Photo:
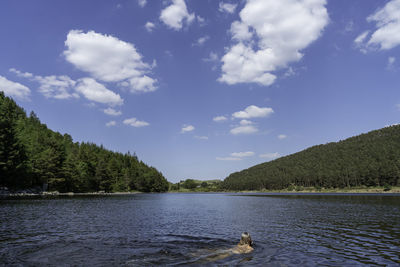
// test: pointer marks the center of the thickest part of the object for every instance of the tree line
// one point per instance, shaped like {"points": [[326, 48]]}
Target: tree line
{"points": [[31, 155], [371, 159]]}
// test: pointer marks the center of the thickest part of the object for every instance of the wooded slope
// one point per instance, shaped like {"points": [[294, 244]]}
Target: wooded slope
{"points": [[32, 155], [371, 159]]}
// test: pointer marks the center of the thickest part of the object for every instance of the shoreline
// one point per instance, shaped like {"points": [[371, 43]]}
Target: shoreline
{"points": [[44, 194], [355, 190], [49, 194]]}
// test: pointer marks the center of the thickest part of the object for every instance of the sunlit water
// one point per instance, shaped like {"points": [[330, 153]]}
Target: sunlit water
{"points": [[199, 229]]}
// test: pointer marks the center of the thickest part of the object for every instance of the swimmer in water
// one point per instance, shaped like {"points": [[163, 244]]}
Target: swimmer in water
{"points": [[245, 245]]}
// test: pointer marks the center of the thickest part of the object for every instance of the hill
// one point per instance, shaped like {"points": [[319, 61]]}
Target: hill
{"points": [[31, 155], [371, 159]]}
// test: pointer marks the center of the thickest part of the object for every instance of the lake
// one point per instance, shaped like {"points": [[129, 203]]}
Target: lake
{"points": [[199, 229]]}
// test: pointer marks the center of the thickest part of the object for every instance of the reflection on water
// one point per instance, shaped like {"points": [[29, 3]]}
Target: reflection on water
{"points": [[200, 229]]}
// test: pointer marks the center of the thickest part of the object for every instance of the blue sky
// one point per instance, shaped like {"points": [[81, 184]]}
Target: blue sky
{"points": [[200, 89]]}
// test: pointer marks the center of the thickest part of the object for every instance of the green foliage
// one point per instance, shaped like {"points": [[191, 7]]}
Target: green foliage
{"points": [[190, 184], [32, 155], [12, 153], [196, 186], [370, 159]]}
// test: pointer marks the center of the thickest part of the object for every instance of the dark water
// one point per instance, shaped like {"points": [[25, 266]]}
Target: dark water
{"points": [[199, 229]]}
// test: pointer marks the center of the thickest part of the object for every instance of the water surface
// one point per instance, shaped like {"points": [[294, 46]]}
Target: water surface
{"points": [[199, 229]]}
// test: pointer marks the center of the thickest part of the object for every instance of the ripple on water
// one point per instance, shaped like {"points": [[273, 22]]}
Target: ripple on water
{"points": [[199, 229]]}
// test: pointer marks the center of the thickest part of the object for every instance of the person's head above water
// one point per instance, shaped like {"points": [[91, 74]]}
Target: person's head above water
{"points": [[245, 239]]}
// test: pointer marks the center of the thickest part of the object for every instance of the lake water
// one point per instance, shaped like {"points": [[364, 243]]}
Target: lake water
{"points": [[199, 229]]}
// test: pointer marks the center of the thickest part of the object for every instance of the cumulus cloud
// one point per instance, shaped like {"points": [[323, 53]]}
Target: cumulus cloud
{"points": [[112, 112], [282, 136], [142, 3], [111, 123], [176, 14], [187, 128], [63, 87], [135, 123], [242, 154], [201, 40], [58, 87], [109, 59], [219, 118], [97, 92], [149, 26], [270, 35], [385, 36], [248, 129], [228, 158], [270, 155], [253, 112], [53, 86], [227, 7], [14, 89]]}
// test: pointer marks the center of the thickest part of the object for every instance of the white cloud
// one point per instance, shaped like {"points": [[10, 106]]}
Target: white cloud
{"points": [[201, 40], [21, 74], [135, 123], [282, 136], [149, 26], [14, 89], [111, 123], [201, 137], [97, 92], [249, 129], [63, 87], [211, 58], [270, 155], [253, 112], [175, 14], [269, 36], [240, 31], [390, 63], [112, 112], [245, 122], [187, 128], [201, 20], [242, 154], [226, 7], [219, 118], [108, 59], [228, 158], [142, 3], [385, 37], [58, 87], [361, 38], [53, 86], [388, 22], [141, 84]]}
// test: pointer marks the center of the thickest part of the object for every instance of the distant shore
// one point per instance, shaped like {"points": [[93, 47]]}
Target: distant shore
{"points": [[27, 194], [352, 190]]}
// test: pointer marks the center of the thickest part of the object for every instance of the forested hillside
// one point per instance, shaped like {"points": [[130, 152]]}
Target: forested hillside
{"points": [[32, 155], [371, 159]]}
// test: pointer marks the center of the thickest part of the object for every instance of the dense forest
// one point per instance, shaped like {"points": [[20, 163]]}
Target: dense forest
{"points": [[31, 155], [371, 159]]}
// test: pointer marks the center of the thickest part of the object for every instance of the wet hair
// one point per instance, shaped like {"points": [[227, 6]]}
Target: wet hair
{"points": [[245, 239]]}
